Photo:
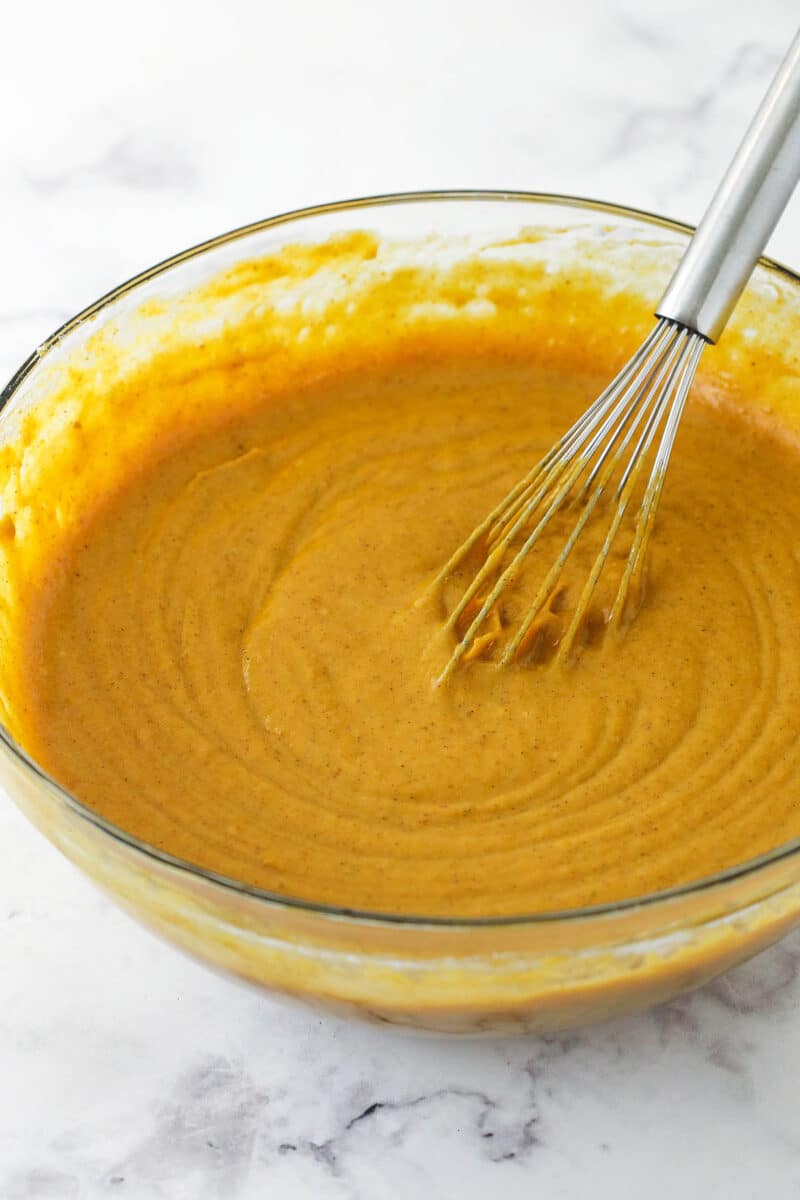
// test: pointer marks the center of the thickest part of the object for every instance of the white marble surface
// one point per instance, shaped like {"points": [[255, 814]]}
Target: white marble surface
{"points": [[129, 132]]}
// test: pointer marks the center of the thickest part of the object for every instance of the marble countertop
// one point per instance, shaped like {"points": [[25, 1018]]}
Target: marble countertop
{"points": [[128, 133]]}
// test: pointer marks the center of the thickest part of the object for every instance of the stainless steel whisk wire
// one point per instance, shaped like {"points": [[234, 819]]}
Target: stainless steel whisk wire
{"points": [[644, 402]]}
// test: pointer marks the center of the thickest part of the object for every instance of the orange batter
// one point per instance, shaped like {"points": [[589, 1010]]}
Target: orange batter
{"points": [[222, 651]]}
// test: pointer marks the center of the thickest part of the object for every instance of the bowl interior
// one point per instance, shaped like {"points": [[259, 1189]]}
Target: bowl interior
{"points": [[256, 281]]}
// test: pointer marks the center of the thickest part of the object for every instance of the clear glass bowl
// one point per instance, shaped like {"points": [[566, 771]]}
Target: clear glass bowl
{"points": [[497, 975]]}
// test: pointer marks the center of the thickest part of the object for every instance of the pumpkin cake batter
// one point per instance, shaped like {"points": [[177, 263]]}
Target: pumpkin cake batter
{"points": [[227, 656]]}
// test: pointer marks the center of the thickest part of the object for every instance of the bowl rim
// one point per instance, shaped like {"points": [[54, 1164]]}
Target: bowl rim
{"points": [[415, 921]]}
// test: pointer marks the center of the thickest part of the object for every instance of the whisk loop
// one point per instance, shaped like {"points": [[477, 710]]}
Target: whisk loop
{"points": [[643, 402]]}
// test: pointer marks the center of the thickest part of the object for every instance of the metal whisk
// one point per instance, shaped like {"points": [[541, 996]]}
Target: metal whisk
{"points": [[634, 421]]}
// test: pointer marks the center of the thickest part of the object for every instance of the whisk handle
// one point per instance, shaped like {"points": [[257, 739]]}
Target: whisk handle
{"points": [[743, 213]]}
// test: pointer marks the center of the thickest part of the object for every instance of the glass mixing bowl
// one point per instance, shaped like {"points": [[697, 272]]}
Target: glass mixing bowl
{"points": [[529, 973]]}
